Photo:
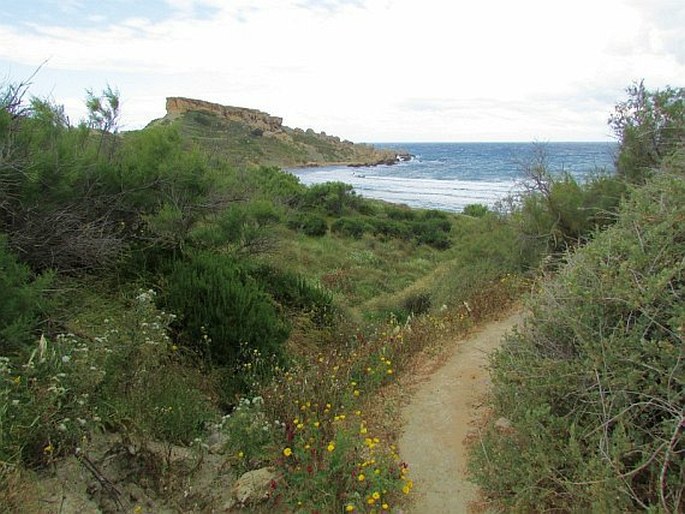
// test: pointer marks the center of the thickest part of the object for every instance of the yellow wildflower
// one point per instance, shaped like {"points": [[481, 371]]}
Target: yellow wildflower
{"points": [[361, 477], [376, 495], [349, 508], [331, 446], [287, 452]]}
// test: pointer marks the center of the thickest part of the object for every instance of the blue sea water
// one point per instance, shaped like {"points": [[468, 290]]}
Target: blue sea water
{"points": [[449, 176]]}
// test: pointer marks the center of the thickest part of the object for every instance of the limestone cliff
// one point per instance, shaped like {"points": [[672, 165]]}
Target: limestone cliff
{"points": [[176, 106]]}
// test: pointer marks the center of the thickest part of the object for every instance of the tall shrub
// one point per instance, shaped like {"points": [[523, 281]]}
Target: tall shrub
{"points": [[21, 301], [222, 311]]}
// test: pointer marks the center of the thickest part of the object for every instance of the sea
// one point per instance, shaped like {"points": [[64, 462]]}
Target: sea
{"points": [[449, 176]]}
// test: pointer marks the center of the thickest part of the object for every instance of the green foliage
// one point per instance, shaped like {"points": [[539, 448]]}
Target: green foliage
{"points": [[21, 303], [103, 110], [485, 250], [129, 377], [310, 224], [477, 210], [68, 205], [433, 231], [650, 125], [593, 384], [295, 292], [241, 229], [557, 212], [349, 227], [333, 198], [391, 228], [146, 386], [251, 435], [223, 312], [276, 185]]}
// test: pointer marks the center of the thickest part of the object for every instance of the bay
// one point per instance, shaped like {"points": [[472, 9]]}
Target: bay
{"points": [[449, 176]]}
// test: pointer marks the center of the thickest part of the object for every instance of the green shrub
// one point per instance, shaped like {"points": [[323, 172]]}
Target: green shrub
{"points": [[593, 383], [650, 126], [223, 313], [275, 185], [21, 302], [401, 213], [294, 291], [391, 228], [310, 224], [333, 198], [349, 227], [433, 231], [560, 212], [477, 210]]}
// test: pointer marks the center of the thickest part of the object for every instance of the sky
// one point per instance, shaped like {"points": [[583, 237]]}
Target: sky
{"points": [[364, 70]]}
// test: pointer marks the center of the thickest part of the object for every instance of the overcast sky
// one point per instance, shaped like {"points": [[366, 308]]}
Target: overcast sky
{"points": [[365, 70]]}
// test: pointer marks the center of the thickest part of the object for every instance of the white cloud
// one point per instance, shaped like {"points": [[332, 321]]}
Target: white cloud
{"points": [[379, 69]]}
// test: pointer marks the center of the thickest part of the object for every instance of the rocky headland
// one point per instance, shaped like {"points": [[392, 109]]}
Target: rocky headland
{"points": [[245, 136]]}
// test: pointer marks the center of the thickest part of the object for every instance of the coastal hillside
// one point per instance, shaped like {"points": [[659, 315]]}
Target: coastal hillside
{"points": [[174, 328], [247, 137]]}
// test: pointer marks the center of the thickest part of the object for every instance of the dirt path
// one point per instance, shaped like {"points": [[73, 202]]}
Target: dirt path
{"points": [[438, 418]]}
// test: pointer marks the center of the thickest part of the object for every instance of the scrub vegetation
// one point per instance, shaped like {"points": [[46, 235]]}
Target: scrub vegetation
{"points": [[153, 291], [593, 385]]}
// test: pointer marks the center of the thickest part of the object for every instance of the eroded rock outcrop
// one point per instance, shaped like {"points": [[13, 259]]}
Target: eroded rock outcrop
{"points": [[176, 106]]}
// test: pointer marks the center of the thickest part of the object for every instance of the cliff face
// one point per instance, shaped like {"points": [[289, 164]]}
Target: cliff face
{"points": [[176, 106]]}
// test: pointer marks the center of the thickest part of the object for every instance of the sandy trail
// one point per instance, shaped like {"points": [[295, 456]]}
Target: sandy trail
{"points": [[439, 417]]}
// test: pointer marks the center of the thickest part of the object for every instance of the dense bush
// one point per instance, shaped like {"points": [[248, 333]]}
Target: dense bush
{"points": [[593, 385], [296, 292], [349, 227], [333, 198], [391, 228], [21, 301], [433, 231], [222, 311], [477, 210], [310, 224], [275, 185]]}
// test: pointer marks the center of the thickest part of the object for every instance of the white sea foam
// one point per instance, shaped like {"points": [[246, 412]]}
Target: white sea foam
{"points": [[448, 195]]}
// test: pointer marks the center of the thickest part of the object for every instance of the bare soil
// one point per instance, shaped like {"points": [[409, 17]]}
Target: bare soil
{"points": [[444, 408]]}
